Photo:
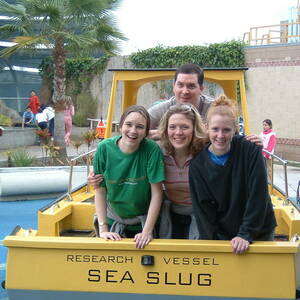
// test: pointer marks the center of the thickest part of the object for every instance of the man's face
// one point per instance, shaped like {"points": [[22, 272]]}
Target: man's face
{"points": [[187, 89]]}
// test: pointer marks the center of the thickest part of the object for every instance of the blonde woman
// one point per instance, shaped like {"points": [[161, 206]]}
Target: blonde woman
{"points": [[182, 136], [68, 114]]}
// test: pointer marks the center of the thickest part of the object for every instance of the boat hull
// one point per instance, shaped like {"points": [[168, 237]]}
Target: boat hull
{"points": [[63, 295], [90, 268]]}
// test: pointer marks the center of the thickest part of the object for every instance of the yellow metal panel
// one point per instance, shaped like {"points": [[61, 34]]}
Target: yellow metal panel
{"points": [[244, 105], [133, 79], [82, 216], [116, 266], [155, 245], [130, 91], [111, 106], [48, 221]]}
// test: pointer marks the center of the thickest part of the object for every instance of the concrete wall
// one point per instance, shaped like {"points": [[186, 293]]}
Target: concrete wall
{"points": [[100, 88], [17, 137], [273, 93]]}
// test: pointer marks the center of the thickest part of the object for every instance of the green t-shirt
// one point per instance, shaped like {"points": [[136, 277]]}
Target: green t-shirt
{"points": [[127, 177]]}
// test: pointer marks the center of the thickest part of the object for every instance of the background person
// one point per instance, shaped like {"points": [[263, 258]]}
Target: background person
{"points": [[41, 119], [162, 98], [268, 137], [34, 103], [50, 113], [28, 117], [129, 198], [68, 115], [228, 184]]}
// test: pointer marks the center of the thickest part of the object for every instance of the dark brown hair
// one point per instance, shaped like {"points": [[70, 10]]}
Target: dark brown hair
{"points": [[138, 109], [191, 69], [269, 122]]}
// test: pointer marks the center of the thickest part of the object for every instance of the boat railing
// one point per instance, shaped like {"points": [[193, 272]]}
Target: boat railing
{"points": [[88, 155], [282, 162]]}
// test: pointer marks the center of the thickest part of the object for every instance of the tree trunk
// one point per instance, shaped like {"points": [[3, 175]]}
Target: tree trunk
{"points": [[59, 133], [59, 87]]}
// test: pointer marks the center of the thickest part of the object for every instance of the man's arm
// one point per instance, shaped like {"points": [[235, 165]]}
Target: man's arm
{"points": [[253, 138], [156, 112], [154, 135]]}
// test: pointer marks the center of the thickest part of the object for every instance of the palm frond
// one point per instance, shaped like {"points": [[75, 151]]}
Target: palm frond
{"points": [[11, 9], [24, 43]]}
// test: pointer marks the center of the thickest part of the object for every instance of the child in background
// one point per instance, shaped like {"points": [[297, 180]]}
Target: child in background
{"points": [[269, 142], [68, 114], [28, 117]]}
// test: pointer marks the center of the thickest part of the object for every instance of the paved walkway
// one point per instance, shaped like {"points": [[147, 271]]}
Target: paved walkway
{"points": [[293, 178], [37, 151]]}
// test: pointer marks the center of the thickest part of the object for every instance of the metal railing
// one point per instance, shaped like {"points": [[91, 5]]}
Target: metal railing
{"points": [[89, 159], [273, 34], [284, 164], [88, 163]]}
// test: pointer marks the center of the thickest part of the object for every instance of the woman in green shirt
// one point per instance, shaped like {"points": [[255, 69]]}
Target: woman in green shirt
{"points": [[128, 199]]}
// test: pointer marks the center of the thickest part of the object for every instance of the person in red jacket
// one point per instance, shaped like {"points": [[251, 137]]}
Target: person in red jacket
{"points": [[34, 103]]}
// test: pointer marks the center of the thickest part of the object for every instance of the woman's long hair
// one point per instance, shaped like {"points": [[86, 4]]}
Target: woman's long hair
{"points": [[190, 112]]}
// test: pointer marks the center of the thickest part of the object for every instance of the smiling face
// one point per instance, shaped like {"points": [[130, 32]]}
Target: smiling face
{"points": [[180, 132], [220, 129], [133, 131], [187, 89]]}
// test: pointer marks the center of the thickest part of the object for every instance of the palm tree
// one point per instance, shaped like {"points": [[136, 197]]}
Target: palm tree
{"points": [[66, 27]]}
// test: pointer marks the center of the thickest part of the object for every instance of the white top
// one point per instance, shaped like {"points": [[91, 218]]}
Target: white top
{"points": [[49, 112], [41, 117]]}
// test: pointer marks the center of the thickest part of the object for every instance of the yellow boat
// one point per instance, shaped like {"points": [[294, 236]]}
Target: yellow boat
{"points": [[62, 259]]}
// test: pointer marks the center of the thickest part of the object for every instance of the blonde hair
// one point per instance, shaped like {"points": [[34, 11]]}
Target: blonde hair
{"points": [[68, 101], [190, 112], [224, 106]]}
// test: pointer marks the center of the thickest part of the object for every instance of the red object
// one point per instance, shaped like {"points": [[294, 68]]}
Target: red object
{"points": [[34, 103], [1, 131], [100, 129]]}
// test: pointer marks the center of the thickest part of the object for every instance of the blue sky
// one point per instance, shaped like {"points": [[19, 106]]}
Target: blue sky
{"points": [[194, 22]]}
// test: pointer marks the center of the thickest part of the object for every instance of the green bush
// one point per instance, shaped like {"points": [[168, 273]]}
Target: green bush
{"points": [[78, 71], [80, 119], [5, 121], [86, 107], [219, 55], [21, 158]]}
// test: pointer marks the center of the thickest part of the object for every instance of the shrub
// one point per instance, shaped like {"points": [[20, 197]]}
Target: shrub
{"points": [[21, 158], [80, 119], [220, 55], [86, 107], [5, 121]]}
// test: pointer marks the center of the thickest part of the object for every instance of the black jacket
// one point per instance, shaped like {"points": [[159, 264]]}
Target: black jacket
{"points": [[232, 200]]}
